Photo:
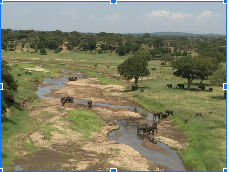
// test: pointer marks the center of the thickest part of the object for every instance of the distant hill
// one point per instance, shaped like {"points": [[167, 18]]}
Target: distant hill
{"points": [[181, 34]]}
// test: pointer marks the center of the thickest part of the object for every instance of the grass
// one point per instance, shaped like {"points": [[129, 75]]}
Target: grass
{"points": [[20, 121], [207, 134], [84, 121], [30, 147]]}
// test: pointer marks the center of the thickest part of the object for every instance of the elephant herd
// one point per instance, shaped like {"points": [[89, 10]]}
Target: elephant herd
{"points": [[70, 100], [72, 78], [66, 100], [151, 127], [162, 115], [182, 86]]}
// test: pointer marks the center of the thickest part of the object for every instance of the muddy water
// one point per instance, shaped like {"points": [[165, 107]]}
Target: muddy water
{"points": [[127, 133]]}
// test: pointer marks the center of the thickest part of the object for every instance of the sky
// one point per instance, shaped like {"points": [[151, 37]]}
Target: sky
{"points": [[123, 17]]}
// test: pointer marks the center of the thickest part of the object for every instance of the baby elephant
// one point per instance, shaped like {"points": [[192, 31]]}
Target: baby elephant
{"points": [[169, 86], [63, 102], [89, 102], [199, 114], [159, 114], [202, 87], [210, 89], [186, 120], [169, 112], [164, 116]]}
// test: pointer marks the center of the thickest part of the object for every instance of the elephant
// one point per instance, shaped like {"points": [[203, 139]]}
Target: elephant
{"points": [[164, 116], [199, 114], [186, 120], [157, 114], [169, 112], [180, 85], [142, 127], [89, 102], [210, 89], [169, 86], [151, 127]]}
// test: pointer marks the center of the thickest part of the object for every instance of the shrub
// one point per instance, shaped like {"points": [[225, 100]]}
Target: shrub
{"points": [[43, 51]]}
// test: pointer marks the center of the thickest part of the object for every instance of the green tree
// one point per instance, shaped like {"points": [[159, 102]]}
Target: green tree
{"points": [[192, 68], [154, 52], [121, 50], [89, 42], [9, 83], [146, 35], [135, 47], [52, 44], [167, 58], [135, 67], [43, 51], [158, 42], [218, 78], [205, 68]]}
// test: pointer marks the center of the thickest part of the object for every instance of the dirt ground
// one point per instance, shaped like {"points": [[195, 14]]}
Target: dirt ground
{"points": [[67, 150]]}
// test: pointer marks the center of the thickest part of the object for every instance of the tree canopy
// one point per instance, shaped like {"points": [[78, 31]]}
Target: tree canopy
{"points": [[136, 66], [193, 68], [9, 83]]}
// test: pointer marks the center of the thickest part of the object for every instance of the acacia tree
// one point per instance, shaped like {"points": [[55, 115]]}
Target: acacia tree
{"points": [[205, 68], [218, 78], [135, 67], [192, 68]]}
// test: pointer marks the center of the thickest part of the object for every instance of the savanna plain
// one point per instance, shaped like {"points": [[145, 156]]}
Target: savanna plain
{"points": [[45, 135]]}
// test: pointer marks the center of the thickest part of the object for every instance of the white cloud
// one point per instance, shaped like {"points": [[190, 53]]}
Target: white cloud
{"points": [[207, 16], [163, 14]]}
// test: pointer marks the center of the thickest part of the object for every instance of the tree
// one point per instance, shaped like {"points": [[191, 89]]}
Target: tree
{"points": [[135, 67], [205, 68], [121, 50], [167, 58], [52, 44], [146, 35], [89, 42], [192, 68], [215, 56], [218, 78], [154, 52], [134, 47], [158, 42], [43, 51], [10, 85]]}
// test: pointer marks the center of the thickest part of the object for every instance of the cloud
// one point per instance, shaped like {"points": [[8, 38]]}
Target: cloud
{"points": [[207, 16], [167, 15], [185, 19]]}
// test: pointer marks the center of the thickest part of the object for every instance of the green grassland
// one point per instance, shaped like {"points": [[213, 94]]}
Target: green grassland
{"points": [[207, 148]]}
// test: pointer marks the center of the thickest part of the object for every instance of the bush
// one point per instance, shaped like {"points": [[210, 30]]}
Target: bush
{"points": [[142, 90], [163, 63], [153, 68], [43, 51]]}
